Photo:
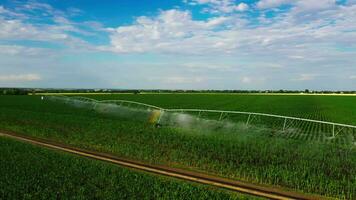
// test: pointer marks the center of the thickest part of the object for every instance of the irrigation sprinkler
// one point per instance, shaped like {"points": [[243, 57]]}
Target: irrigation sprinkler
{"points": [[159, 119], [160, 112], [95, 105]]}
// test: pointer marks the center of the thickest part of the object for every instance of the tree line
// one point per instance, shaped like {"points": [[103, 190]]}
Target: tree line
{"points": [[27, 91]]}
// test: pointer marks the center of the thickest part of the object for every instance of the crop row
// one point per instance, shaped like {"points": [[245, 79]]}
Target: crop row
{"points": [[340, 109], [253, 155], [288, 128], [29, 172]]}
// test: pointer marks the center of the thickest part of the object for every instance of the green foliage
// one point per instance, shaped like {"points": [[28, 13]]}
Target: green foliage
{"points": [[13, 91], [253, 155]]}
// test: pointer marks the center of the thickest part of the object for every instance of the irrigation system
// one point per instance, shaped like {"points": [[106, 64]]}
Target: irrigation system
{"points": [[336, 128]]}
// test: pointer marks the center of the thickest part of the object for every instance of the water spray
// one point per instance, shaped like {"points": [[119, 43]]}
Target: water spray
{"points": [[159, 117], [151, 115]]}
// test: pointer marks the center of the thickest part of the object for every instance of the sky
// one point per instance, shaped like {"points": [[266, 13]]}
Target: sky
{"points": [[179, 44]]}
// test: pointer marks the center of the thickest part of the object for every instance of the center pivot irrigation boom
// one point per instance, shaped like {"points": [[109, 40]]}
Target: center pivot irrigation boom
{"points": [[156, 113]]}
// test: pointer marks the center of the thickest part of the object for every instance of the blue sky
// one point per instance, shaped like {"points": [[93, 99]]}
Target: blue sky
{"points": [[181, 44]]}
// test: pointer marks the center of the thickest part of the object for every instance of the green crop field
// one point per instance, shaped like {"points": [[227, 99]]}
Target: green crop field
{"points": [[37, 173], [341, 109], [338, 109], [254, 154]]}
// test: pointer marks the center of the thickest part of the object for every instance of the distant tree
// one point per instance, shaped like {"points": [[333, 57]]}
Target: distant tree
{"points": [[306, 91]]}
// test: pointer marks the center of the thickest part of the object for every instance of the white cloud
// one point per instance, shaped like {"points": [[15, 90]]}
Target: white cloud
{"points": [[175, 31], [263, 4], [8, 13], [17, 29], [241, 7], [311, 37], [171, 31], [14, 29], [179, 80], [15, 25], [33, 5], [20, 78], [296, 57], [353, 77], [220, 6], [299, 5], [252, 80], [305, 77], [307, 5], [23, 51], [246, 79]]}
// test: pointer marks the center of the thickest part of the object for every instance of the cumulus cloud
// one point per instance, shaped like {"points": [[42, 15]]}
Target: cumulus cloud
{"points": [[171, 31], [20, 78], [241, 7], [175, 31], [306, 38]]}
